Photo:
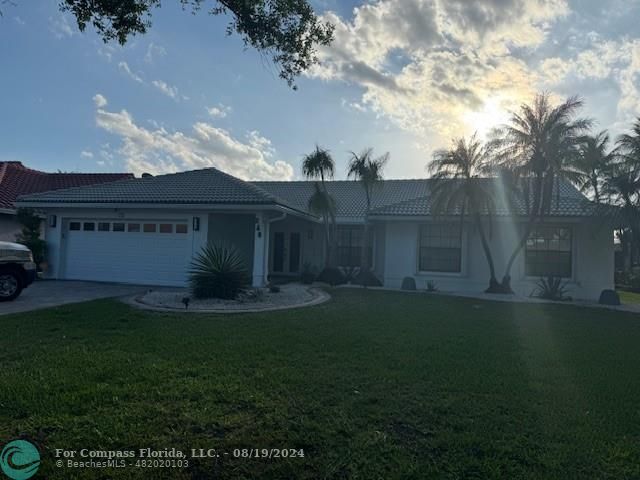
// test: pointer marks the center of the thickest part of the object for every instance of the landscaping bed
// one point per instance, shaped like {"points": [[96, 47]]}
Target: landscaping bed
{"points": [[258, 299]]}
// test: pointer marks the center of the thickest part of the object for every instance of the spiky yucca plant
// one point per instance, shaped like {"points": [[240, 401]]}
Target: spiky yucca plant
{"points": [[551, 288], [218, 272]]}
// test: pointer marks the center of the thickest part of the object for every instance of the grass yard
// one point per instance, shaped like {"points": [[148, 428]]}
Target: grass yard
{"points": [[373, 385], [627, 297]]}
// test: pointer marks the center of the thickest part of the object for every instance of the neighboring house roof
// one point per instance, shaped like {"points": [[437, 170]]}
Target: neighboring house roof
{"points": [[207, 186], [211, 186], [17, 180]]}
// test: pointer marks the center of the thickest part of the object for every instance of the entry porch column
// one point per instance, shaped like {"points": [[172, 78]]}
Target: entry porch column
{"points": [[260, 250]]}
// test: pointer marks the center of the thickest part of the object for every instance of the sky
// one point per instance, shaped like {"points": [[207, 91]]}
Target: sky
{"points": [[402, 76]]}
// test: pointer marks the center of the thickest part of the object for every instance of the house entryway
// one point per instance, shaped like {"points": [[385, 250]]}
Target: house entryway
{"points": [[287, 251]]}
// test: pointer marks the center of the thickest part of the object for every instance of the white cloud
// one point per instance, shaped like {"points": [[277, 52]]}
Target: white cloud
{"points": [[354, 106], [86, 154], [614, 61], [219, 111], [154, 51], [19, 20], [166, 89], [161, 151], [124, 67], [424, 64], [99, 100], [60, 27]]}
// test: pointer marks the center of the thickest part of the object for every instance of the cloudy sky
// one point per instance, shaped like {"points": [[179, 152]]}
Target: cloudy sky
{"points": [[403, 76]]}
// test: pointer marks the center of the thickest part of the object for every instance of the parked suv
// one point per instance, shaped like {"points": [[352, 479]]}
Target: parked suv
{"points": [[17, 270]]}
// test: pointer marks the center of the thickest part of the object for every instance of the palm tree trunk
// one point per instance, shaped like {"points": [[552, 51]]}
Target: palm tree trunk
{"points": [[533, 217], [327, 238], [364, 254], [494, 286]]}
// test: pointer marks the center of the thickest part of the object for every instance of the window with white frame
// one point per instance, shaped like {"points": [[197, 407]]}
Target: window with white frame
{"points": [[440, 248], [548, 252]]}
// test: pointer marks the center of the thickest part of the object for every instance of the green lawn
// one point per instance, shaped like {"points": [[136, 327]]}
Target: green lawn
{"points": [[629, 297], [372, 385]]}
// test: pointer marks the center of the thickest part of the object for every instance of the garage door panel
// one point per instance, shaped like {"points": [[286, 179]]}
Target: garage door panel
{"points": [[128, 257]]}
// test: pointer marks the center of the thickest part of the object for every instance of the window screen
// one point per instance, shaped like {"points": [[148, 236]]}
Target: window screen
{"points": [[548, 252], [349, 246], [440, 248]]}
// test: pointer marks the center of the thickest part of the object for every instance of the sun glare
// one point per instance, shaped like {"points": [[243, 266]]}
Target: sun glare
{"points": [[491, 115]]}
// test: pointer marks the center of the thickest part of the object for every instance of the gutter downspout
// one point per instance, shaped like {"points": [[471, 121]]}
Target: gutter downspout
{"points": [[282, 216]]}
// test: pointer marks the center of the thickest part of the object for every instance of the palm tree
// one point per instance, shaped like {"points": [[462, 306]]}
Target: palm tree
{"points": [[628, 145], [622, 185], [368, 171], [457, 184], [537, 149], [320, 164], [593, 162], [323, 204], [623, 182]]}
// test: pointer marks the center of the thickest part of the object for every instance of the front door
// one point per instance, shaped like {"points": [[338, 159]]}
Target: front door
{"points": [[286, 252], [278, 252], [294, 252]]}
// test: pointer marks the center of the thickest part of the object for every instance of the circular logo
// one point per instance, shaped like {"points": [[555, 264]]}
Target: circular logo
{"points": [[19, 460]]}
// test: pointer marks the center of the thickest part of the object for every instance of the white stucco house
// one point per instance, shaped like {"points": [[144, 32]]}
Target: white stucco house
{"points": [[146, 231]]}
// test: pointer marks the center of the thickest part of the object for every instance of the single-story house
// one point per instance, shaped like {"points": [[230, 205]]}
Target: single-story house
{"points": [[147, 230], [16, 180]]}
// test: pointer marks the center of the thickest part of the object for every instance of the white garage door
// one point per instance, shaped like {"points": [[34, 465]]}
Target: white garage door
{"points": [[147, 252]]}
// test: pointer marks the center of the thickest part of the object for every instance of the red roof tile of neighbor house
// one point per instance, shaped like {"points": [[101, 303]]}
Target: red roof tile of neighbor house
{"points": [[16, 180]]}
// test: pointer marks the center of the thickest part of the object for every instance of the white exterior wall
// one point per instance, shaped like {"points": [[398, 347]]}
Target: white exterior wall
{"points": [[55, 235], [592, 257], [396, 249]]}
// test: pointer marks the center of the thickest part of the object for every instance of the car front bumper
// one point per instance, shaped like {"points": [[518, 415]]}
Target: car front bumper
{"points": [[29, 273]]}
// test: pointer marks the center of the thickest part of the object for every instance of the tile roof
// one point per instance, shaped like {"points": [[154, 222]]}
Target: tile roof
{"points": [[349, 195], [16, 180], [211, 186], [410, 198], [207, 186], [568, 201]]}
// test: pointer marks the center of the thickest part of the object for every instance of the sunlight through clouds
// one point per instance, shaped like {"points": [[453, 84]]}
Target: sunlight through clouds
{"points": [[460, 74]]}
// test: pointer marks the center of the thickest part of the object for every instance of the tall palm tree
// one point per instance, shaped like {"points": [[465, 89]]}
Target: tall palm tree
{"points": [[537, 149], [368, 171], [622, 186], [458, 185], [628, 144], [623, 183], [323, 204], [593, 162], [320, 164]]}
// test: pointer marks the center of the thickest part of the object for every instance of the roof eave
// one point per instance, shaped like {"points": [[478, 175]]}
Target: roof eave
{"points": [[172, 206]]}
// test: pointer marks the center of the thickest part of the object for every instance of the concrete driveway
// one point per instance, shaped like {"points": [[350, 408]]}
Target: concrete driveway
{"points": [[51, 293]]}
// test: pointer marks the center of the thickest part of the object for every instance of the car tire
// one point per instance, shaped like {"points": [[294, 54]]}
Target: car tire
{"points": [[10, 284]]}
